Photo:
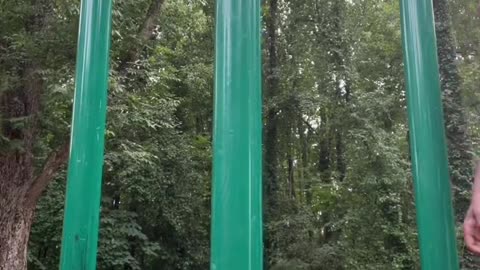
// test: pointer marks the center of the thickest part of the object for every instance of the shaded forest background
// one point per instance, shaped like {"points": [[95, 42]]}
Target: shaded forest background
{"points": [[337, 177]]}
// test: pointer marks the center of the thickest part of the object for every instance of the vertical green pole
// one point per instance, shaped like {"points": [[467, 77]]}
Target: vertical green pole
{"points": [[237, 174], [82, 207], [427, 134]]}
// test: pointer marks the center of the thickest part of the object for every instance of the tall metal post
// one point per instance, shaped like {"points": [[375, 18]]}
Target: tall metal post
{"points": [[427, 134], [82, 207], [237, 173]]}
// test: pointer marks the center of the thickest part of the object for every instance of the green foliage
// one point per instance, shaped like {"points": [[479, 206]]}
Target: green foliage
{"points": [[344, 199], [155, 208]]}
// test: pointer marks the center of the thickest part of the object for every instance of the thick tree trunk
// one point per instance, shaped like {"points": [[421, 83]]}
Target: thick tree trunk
{"points": [[14, 236], [19, 188], [19, 111], [20, 184], [16, 170], [16, 176]]}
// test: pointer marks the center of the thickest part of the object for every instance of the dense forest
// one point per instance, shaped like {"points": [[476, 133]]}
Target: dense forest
{"points": [[337, 182]]}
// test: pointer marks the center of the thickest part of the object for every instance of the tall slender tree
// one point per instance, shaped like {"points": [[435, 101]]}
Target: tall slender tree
{"points": [[460, 148], [459, 144]]}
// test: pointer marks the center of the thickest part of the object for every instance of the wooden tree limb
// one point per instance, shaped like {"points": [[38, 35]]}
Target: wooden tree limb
{"points": [[309, 126], [145, 32], [55, 162], [146, 29], [59, 157]]}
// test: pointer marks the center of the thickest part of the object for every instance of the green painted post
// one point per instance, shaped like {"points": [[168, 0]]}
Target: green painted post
{"points": [[427, 134], [82, 206], [237, 175]]}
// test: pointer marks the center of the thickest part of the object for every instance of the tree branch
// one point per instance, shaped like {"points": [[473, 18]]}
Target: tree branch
{"points": [[145, 32], [309, 126], [54, 163], [57, 160]]}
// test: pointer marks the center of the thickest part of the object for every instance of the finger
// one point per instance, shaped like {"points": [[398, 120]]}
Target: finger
{"points": [[468, 229], [472, 245], [473, 222], [475, 248], [468, 236], [470, 240]]}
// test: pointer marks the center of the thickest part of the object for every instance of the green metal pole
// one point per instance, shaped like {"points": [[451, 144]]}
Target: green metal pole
{"points": [[82, 207], [427, 135], [237, 175]]}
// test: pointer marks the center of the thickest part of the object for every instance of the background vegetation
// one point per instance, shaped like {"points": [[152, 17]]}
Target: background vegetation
{"points": [[337, 171]]}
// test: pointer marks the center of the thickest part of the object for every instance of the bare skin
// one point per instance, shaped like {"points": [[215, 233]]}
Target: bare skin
{"points": [[471, 225]]}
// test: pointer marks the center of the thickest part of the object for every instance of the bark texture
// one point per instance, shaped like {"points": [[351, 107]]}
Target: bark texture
{"points": [[272, 88], [459, 145], [21, 182], [17, 170], [460, 148]]}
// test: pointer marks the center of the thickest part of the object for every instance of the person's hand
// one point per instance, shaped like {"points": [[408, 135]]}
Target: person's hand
{"points": [[471, 225]]}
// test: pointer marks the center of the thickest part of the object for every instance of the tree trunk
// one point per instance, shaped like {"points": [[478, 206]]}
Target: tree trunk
{"points": [[338, 57], [324, 148], [20, 184], [291, 177], [459, 145], [20, 189], [270, 182], [340, 149], [14, 236], [304, 174], [271, 129], [16, 169]]}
